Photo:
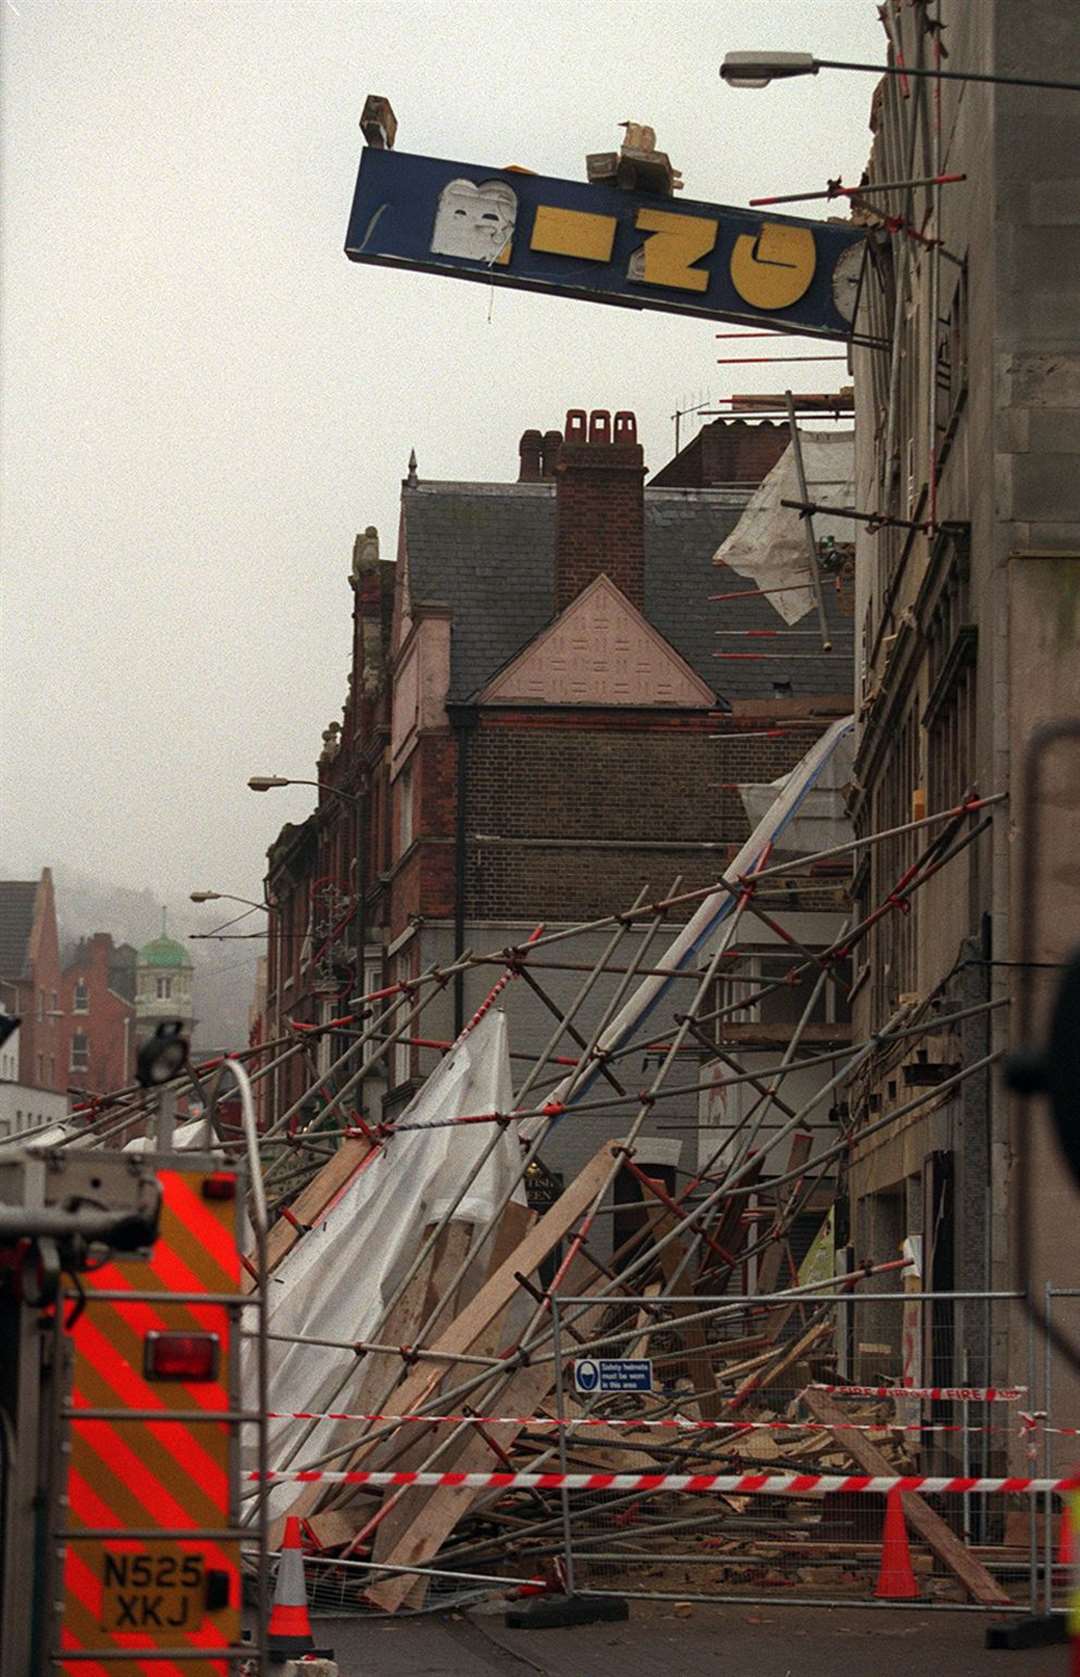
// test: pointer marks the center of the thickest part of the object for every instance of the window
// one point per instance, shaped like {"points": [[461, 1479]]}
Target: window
{"points": [[949, 717], [373, 980], [52, 1072], [80, 1051], [41, 1064], [81, 999], [55, 1002], [164, 989], [405, 807], [41, 1007]]}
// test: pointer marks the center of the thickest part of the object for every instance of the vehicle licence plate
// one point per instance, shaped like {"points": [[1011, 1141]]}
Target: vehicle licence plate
{"points": [[152, 1590]]}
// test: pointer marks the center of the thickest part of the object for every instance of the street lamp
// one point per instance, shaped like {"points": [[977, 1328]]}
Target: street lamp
{"points": [[268, 782], [758, 69], [227, 897]]}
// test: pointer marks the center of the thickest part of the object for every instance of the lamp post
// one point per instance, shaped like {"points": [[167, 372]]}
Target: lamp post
{"points": [[228, 897], [758, 69], [270, 782]]}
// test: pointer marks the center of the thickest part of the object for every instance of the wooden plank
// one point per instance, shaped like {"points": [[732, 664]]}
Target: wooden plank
{"points": [[444, 1507], [920, 1516], [315, 1200], [411, 1445], [437, 1271], [488, 1303], [707, 1401], [768, 1269], [379, 1370], [769, 1376]]}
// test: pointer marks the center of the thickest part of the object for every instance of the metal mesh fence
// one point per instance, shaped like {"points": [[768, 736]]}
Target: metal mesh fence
{"points": [[738, 1387]]}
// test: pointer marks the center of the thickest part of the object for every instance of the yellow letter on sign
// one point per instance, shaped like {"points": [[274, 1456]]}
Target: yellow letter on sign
{"points": [[573, 233], [677, 241], [773, 270]]}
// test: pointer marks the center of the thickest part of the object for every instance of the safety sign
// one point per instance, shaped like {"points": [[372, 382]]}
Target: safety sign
{"points": [[613, 1374]]}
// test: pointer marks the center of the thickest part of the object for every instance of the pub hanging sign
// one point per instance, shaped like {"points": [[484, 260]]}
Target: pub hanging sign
{"points": [[603, 245]]}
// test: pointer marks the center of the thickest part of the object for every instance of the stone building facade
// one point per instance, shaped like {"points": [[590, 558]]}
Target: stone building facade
{"points": [[968, 616]]}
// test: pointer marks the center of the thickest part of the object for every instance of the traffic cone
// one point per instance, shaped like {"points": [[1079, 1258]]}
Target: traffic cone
{"points": [[896, 1578], [288, 1635]]}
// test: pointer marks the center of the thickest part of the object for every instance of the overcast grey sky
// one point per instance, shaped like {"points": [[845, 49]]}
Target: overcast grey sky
{"points": [[204, 400]]}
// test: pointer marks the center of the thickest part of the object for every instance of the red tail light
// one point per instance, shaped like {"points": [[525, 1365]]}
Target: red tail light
{"points": [[219, 1187], [181, 1356]]}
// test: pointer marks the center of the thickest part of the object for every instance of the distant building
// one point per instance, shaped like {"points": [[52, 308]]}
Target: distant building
{"points": [[23, 1108], [163, 971], [99, 1000], [30, 979]]}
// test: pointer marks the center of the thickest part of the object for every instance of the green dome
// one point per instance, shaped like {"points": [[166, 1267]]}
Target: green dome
{"points": [[163, 952]]}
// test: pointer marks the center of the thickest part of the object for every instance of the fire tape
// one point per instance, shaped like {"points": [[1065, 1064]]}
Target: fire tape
{"points": [[679, 1423], [738, 1484], [958, 1394]]}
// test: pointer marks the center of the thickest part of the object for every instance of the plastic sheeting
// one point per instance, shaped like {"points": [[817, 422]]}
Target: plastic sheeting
{"points": [[336, 1282], [768, 544], [821, 820]]}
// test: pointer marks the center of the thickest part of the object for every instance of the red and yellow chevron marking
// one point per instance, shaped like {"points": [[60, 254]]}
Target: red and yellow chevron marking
{"points": [[172, 1472]]}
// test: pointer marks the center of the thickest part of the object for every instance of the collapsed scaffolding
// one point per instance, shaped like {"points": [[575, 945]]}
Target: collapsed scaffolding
{"points": [[425, 1321]]}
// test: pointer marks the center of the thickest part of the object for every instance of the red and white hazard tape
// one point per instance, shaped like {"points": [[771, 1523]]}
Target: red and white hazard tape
{"points": [[737, 1484], [956, 1394], [679, 1423]]}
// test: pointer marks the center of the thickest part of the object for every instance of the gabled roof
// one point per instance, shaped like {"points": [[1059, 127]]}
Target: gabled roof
{"points": [[599, 651], [18, 898], [487, 551]]}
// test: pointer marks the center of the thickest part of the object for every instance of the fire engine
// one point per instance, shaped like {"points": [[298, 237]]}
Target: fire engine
{"points": [[126, 1538]]}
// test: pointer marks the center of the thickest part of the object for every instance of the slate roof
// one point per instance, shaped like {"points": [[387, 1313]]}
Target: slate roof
{"points": [[17, 900], [488, 552]]}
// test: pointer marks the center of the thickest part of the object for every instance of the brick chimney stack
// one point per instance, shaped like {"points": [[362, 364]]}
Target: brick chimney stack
{"points": [[530, 449], [600, 506], [552, 445]]}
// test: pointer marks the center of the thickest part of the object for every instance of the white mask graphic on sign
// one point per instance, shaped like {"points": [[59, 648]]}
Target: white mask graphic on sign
{"points": [[475, 221]]}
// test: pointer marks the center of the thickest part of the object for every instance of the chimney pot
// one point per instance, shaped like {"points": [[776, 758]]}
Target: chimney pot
{"points": [[600, 426], [625, 427], [577, 430], [530, 449]]}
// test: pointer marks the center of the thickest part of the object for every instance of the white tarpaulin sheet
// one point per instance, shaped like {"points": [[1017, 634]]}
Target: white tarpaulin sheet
{"points": [[337, 1280], [768, 544], [821, 820]]}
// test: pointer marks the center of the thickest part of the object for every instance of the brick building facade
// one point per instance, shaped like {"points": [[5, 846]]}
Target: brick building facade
{"points": [[30, 979], [530, 728], [98, 998]]}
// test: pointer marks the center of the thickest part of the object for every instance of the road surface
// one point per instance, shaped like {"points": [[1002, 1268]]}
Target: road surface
{"points": [[710, 1641]]}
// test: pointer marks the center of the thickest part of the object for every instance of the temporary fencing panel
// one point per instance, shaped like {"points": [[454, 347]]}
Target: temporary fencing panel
{"points": [[776, 1407]]}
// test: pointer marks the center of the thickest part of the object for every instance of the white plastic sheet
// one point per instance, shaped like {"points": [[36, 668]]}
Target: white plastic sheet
{"points": [[768, 544], [337, 1280]]}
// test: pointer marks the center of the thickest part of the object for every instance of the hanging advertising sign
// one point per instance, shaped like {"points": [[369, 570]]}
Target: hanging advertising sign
{"points": [[599, 244]]}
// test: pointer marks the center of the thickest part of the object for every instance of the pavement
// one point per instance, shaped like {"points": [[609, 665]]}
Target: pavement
{"points": [[728, 1641]]}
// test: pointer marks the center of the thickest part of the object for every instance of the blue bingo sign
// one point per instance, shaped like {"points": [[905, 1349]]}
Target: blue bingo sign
{"points": [[601, 245], [613, 1374]]}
